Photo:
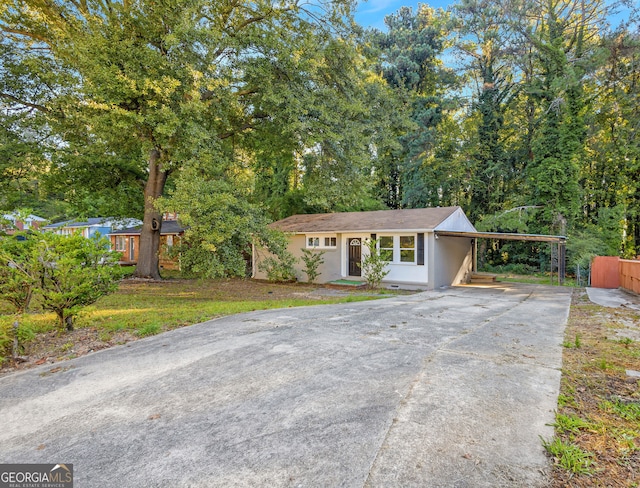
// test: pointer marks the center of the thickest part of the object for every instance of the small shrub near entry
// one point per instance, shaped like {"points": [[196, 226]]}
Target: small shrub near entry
{"points": [[374, 265]]}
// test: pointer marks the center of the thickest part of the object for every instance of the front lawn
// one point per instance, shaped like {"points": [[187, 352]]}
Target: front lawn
{"points": [[142, 308]]}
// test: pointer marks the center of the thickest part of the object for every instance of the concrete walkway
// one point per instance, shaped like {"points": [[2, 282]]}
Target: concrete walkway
{"points": [[613, 298], [448, 388]]}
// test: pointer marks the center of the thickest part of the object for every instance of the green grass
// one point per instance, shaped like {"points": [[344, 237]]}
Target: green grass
{"points": [[570, 424], [535, 279], [148, 308], [570, 456], [628, 411], [143, 316]]}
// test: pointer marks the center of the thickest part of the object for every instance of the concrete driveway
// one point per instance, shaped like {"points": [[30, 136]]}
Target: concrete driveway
{"points": [[448, 388]]}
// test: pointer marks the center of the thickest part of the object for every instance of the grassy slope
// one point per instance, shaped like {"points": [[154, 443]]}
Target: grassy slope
{"points": [[140, 309]]}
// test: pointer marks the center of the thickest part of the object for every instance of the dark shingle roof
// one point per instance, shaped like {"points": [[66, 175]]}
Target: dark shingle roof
{"points": [[377, 220], [168, 227]]}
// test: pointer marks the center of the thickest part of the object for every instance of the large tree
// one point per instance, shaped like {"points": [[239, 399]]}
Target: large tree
{"points": [[147, 87], [410, 61], [486, 46]]}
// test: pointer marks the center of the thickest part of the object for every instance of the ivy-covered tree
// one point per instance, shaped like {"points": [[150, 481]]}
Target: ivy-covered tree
{"points": [[485, 44], [563, 39]]}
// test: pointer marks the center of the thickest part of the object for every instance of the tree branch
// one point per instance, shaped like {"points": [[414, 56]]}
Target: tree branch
{"points": [[22, 102]]}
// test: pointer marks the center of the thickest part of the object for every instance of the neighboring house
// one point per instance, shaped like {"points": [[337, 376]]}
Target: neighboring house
{"points": [[17, 222], [92, 227], [420, 257], [127, 242]]}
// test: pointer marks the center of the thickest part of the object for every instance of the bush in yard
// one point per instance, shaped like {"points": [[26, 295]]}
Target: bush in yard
{"points": [[279, 268], [374, 264], [17, 271], [312, 261], [17, 284], [73, 272]]}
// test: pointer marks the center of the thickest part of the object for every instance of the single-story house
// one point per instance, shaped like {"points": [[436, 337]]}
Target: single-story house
{"points": [[92, 227], [14, 222], [419, 257], [127, 242]]}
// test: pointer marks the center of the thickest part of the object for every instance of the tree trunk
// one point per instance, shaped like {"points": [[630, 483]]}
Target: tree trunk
{"points": [[68, 322], [149, 244]]}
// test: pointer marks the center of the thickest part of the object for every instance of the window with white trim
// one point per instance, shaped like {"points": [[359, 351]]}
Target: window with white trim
{"points": [[407, 249], [322, 242], [398, 249], [330, 242], [121, 243], [385, 246]]}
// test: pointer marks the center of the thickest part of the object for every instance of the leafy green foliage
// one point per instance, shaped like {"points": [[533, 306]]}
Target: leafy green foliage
{"points": [[375, 264], [279, 268], [73, 272], [312, 260], [409, 60], [140, 91], [18, 275]]}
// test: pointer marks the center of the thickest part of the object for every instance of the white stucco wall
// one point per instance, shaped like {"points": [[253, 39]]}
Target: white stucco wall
{"points": [[453, 261], [448, 261], [329, 270]]}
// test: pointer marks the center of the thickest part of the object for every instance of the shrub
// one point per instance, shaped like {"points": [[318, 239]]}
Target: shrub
{"points": [[312, 261], [17, 270], [73, 272], [374, 264], [279, 268]]}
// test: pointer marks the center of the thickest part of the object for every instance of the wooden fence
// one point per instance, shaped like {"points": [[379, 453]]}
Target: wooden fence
{"points": [[630, 275], [613, 272]]}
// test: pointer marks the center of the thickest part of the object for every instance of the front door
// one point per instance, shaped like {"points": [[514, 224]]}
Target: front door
{"points": [[355, 255]]}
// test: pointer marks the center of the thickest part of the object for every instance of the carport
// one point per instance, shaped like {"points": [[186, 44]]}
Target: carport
{"points": [[559, 241]]}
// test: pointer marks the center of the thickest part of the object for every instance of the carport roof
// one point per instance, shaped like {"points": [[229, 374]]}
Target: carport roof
{"points": [[504, 236], [422, 219]]}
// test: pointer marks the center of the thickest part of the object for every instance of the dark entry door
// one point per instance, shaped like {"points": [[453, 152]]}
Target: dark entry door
{"points": [[355, 255]]}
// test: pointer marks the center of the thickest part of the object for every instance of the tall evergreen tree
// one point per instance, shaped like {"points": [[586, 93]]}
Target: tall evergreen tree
{"points": [[410, 62]]}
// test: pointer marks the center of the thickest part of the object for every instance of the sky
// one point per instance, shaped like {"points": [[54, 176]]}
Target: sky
{"points": [[371, 13]]}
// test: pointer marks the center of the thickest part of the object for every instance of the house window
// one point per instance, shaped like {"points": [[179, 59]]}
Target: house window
{"points": [[407, 249], [169, 241], [121, 243], [323, 242], [386, 247]]}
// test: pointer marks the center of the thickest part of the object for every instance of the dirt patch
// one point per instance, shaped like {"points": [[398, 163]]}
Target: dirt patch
{"points": [[54, 346]]}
